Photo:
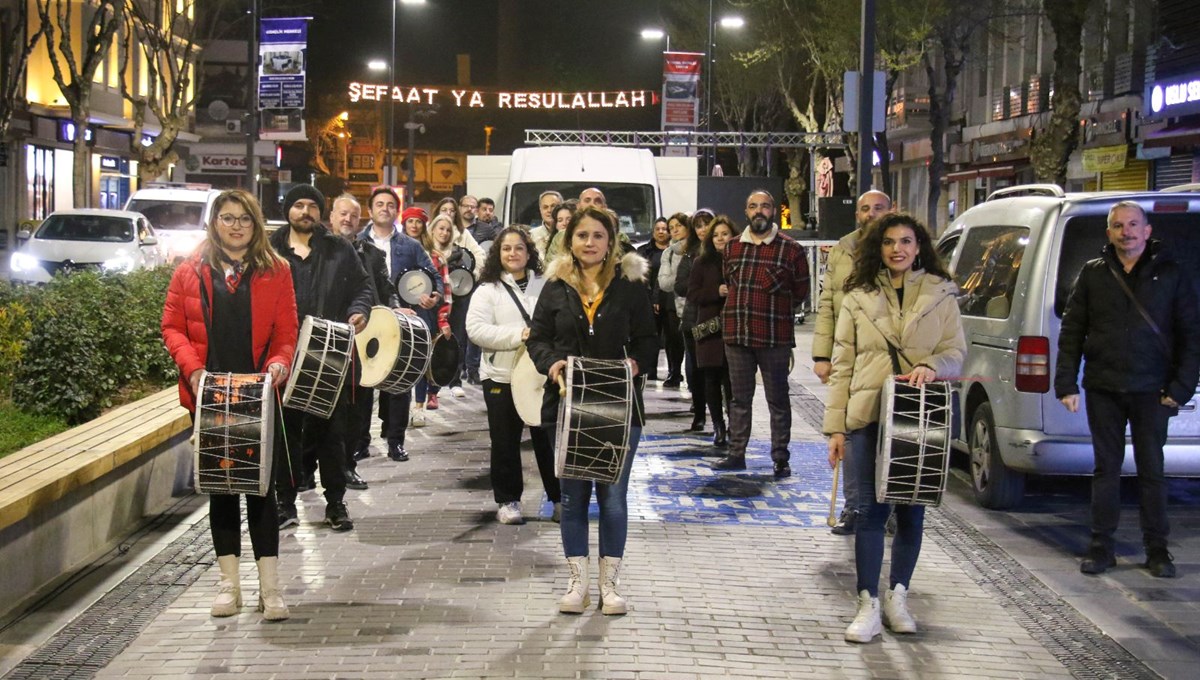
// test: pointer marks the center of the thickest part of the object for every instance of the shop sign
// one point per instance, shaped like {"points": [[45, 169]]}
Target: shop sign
{"points": [[481, 99], [215, 162], [1106, 130], [1175, 96], [1105, 158], [110, 163], [999, 148]]}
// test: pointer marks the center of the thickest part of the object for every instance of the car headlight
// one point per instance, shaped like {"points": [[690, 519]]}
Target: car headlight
{"points": [[120, 263], [23, 262]]}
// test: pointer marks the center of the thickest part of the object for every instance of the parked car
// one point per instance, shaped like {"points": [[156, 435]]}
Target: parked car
{"points": [[1015, 258], [178, 213], [73, 240]]}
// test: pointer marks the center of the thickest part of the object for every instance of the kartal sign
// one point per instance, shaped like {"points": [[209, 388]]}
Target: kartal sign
{"points": [[479, 99]]}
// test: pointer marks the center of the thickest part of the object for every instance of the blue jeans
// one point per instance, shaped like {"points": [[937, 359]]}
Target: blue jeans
{"points": [[614, 510], [869, 531]]}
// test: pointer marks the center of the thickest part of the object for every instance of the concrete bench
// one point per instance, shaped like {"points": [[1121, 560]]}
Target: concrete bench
{"points": [[65, 500]]}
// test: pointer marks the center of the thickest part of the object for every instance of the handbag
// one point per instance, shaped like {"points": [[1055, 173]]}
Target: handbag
{"points": [[707, 329]]}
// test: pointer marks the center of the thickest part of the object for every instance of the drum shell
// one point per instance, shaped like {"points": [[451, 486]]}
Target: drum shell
{"points": [[444, 361], [321, 364], [912, 460], [234, 434], [401, 345], [594, 418]]}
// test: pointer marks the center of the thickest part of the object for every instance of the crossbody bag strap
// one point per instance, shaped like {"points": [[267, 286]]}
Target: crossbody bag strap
{"points": [[517, 302], [893, 351], [1162, 340]]}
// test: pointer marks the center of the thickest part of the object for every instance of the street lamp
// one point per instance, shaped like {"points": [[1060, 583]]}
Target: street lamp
{"points": [[728, 22], [656, 34], [391, 133], [377, 65]]}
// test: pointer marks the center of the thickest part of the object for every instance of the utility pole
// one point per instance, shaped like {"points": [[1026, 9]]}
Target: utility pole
{"points": [[250, 124], [866, 97]]}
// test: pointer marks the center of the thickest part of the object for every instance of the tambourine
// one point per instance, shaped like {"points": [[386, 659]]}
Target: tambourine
{"points": [[462, 282], [413, 284], [463, 259]]}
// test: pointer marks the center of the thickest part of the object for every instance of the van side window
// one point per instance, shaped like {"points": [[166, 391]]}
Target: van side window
{"points": [[945, 250], [987, 270], [1085, 236]]}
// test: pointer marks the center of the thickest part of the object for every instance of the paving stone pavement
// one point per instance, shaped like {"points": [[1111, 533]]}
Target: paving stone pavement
{"points": [[727, 576]]}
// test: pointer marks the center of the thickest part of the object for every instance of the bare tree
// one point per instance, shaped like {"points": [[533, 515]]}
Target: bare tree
{"points": [[1054, 144], [75, 56], [18, 44]]}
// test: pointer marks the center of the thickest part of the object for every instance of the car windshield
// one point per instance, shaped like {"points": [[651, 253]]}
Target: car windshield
{"points": [[170, 215], [1085, 236], [86, 228], [633, 203]]}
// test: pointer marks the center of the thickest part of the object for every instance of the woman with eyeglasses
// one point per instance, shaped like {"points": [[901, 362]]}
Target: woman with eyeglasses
{"points": [[231, 308]]}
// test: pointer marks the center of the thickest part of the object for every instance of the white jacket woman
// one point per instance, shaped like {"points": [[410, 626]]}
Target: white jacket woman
{"points": [[495, 323]]}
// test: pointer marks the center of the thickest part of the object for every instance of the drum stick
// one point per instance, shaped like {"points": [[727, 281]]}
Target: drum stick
{"points": [[832, 519], [562, 386]]}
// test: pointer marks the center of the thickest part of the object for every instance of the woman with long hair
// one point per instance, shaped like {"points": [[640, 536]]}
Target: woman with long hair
{"points": [[231, 308], [498, 321], [900, 308], [463, 242], [669, 304], [562, 217], [438, 318], [447, 206], [706, 294], [697, 231], [593, 305]]}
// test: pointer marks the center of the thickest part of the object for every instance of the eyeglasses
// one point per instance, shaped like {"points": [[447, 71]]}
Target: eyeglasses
{"points": [[228, 220]]}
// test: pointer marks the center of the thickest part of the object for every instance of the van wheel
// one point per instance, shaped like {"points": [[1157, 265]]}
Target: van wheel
{"points": [[996, 486]]}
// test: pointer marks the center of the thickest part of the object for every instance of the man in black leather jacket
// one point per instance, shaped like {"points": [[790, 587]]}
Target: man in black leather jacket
{"points": [[1132, 316]]}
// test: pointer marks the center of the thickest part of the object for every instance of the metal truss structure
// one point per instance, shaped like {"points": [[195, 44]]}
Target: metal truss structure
{"points": [[687, 139]]}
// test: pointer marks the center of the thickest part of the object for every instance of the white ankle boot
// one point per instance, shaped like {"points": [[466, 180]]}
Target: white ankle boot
{"points": [[866, 624], [611, 601], [270, 600], [229, 591], [895, 611], [576, 600]]}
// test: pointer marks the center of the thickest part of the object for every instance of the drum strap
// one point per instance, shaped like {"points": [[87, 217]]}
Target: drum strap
{"points": [[517, 302]]}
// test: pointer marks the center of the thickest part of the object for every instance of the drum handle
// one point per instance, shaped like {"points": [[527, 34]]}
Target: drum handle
{"points": [[832, 519]]}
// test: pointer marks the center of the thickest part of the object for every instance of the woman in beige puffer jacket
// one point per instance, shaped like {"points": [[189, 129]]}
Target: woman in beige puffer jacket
{"points": [[900, 294]]}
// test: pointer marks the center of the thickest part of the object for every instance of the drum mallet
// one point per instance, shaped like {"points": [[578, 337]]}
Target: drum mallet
{"points": [[832, 519], [562, 386]]}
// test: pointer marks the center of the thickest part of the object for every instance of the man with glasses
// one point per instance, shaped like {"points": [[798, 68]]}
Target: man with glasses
{"points": [[331, 284]]}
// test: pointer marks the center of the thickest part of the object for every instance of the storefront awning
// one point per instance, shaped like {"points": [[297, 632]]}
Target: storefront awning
{"points": [[1179, 134]]}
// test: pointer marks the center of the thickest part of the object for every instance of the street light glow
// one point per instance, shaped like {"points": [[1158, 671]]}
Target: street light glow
{"points": [[377, 65], [732, 22], [653, 33]]}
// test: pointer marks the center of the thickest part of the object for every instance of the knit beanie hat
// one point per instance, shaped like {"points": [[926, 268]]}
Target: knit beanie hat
{"points": [[303, 191], [414, 211]]}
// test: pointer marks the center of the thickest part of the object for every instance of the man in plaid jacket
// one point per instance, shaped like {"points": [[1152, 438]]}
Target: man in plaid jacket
{"points": [[767, 277]]}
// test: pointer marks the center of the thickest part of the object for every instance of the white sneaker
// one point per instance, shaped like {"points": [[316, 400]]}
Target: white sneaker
{"points": [[510, 513], [895, 611], [866, 624], [458, 392], [418, 418]]}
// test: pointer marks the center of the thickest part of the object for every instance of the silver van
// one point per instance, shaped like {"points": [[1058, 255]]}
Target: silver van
{"points": [[1015, 258]]}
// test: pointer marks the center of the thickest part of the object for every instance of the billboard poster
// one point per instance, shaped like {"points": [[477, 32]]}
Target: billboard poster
{"points": [[681, 90], [282, 51]]}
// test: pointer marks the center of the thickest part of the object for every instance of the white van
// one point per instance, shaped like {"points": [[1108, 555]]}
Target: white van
{"points": [[178, 213], [638, 185]]}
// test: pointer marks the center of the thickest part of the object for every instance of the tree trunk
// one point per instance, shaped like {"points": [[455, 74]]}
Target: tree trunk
{"points": [[940, 104], [81, 158], [1051, 150]]}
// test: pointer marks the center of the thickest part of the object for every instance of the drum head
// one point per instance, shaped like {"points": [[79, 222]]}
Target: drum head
{"points": [[378, 346], [466, 262], [415, 283], [443, 361], [462, 282], [528, 386]]}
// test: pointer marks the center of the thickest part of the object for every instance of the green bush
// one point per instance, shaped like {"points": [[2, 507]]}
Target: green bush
{"points": [[91, 335]]}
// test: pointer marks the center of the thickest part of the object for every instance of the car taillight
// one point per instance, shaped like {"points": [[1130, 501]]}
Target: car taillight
{"points": [[1033, 364]]}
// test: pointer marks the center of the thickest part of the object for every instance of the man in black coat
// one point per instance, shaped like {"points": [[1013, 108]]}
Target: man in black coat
{"points": [[1132, 316], [330, 284]]}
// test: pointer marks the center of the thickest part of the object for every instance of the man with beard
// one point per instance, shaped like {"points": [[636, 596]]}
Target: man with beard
{"points": [[330, 284], [402, 254], [838, 268], [767, 277], [486, 225], [344, 218]]}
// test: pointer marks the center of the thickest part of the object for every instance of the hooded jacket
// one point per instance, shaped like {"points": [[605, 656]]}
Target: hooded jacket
{"points": [[927, 330], [495, 324], [342, 286], [1121, 352], [623, 328], [185, 330]]}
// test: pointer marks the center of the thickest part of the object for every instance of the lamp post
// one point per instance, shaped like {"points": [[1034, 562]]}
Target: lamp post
{"points": [[389, 178], [657, 34], [729, 22]]}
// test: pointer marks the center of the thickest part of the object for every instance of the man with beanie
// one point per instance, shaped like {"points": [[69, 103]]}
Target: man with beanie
{"points": [[403, 253], [330, 284]]}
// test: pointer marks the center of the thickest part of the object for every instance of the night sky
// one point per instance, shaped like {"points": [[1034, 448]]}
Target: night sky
{"points": [[535, 45]]}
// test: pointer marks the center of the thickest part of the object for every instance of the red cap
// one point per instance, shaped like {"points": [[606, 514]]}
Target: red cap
{"points": [[414, 211]]}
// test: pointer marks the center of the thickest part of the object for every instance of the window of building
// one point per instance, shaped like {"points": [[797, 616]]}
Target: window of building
{"points": [[39, 184]]}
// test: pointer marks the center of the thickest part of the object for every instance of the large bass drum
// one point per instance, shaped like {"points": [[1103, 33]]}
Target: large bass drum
{"points": [[594, 416], [234, 433], [321, 364], [393, 350], [913, 459]]}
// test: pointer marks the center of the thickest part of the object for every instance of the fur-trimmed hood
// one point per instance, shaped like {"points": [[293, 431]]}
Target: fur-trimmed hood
{"points": [[633, 267]]}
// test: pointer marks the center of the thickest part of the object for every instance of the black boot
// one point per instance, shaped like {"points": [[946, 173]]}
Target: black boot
{"points": [[730, 462], [720, 435]]}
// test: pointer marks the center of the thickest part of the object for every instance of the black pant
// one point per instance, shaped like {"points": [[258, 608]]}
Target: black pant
{"points": [[1107, 413], [225, 519], [324, 440], [358, 429], [672, 338], [393, 410], [716, 392], [458, 326], [694, 380], [505, 427]]}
